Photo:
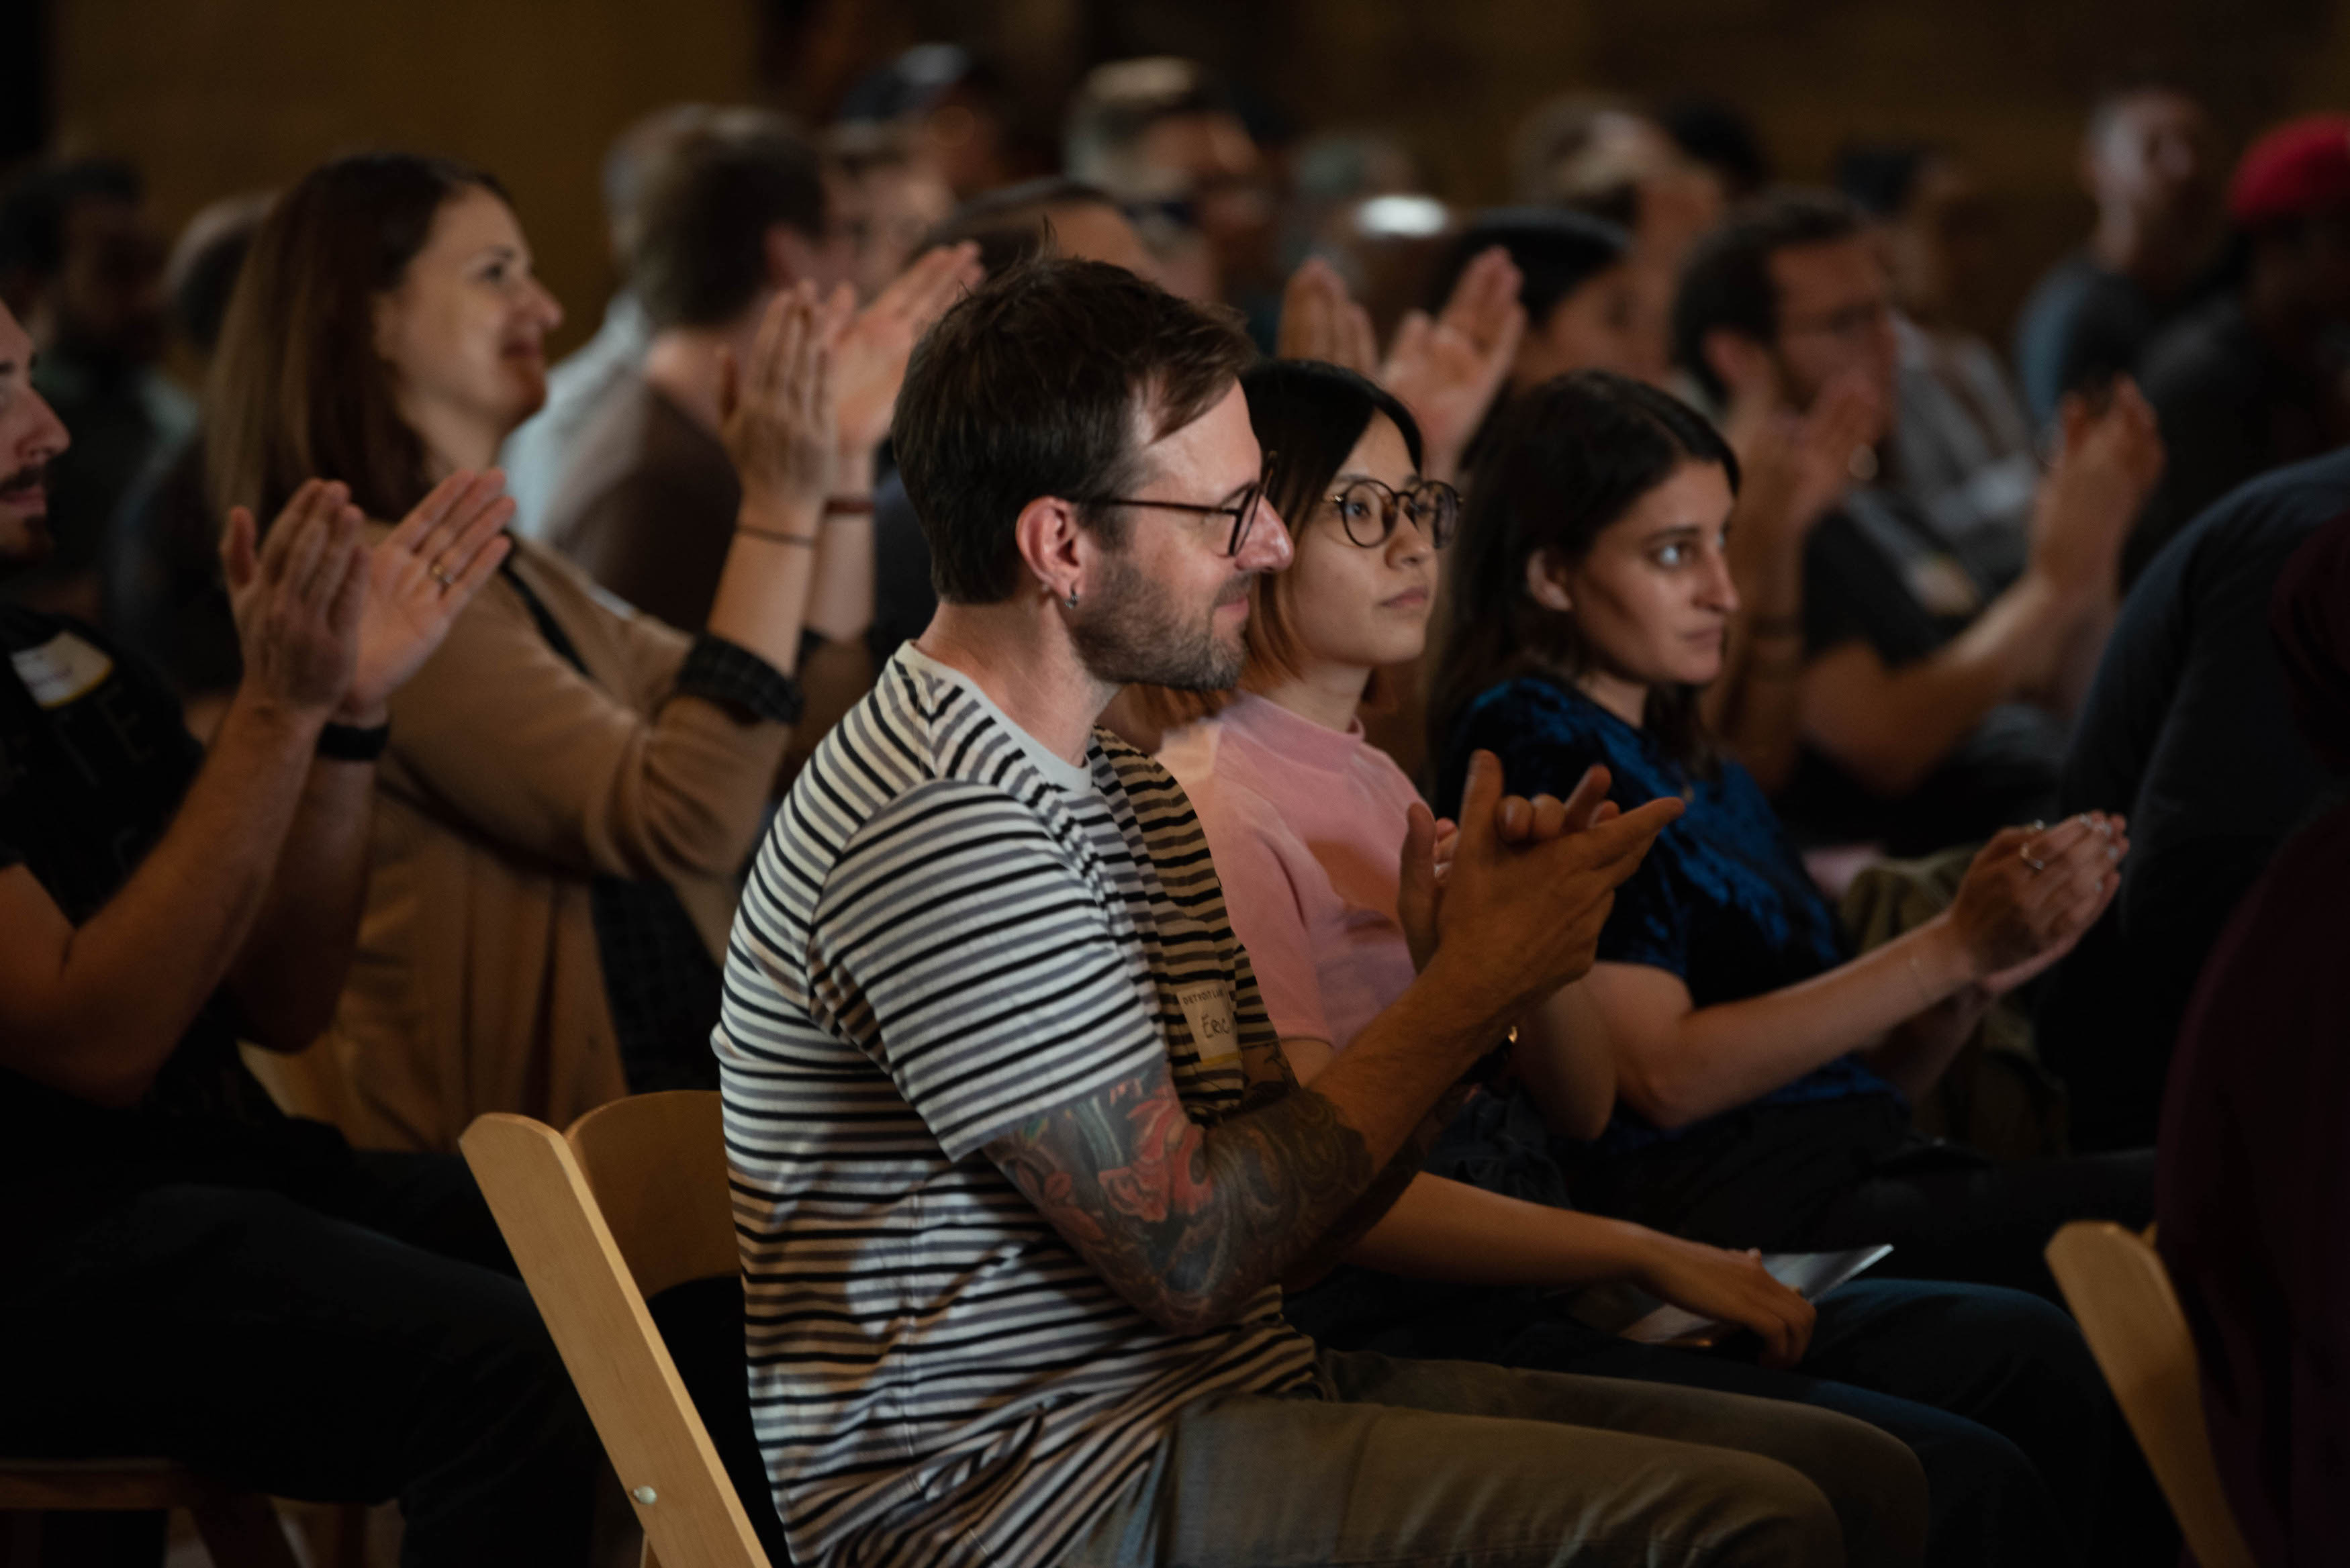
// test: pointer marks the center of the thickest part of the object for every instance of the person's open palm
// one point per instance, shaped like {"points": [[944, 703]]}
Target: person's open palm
{"points": [[1448, 371], [420, 576], [871, 347]]}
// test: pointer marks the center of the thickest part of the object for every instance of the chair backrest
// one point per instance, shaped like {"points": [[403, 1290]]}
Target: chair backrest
{"points": [[2113, 1281], [587, 1283]]}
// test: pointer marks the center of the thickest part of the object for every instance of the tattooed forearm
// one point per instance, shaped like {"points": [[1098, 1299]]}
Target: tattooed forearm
{"points": [[1188, 1222]]}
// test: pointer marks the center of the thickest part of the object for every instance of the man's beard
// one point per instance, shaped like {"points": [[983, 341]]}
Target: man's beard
{"points": [[1128, 635], [33, 543]]}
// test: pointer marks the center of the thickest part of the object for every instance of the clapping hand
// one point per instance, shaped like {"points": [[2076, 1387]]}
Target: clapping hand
{"points": [[420, 576], [2032, 892], [1320, 320], [1448, 371], [871, 347], [1430, 843], [2105, 467], [298, 599], [779, 415]]}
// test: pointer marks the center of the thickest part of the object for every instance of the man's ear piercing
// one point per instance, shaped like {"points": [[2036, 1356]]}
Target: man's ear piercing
{"points": [[1073, 598]]}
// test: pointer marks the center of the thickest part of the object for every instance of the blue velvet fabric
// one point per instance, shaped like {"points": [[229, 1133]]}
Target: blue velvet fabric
{"points": [[1722, 901]]}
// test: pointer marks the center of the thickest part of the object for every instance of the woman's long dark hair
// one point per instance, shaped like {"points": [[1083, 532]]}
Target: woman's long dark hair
{"points": [[1570, 459], [1308, 416], [297, 388]]}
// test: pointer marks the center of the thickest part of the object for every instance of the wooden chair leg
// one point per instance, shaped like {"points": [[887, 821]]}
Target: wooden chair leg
{"points": [[242, 1532]]}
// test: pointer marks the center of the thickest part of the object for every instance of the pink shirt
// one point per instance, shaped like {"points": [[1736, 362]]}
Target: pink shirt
{"points": [[1306, 826]]}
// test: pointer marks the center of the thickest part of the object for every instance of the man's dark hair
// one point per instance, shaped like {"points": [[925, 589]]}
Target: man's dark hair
{"points": [[33, 214], [1030, 388], [701, 253], [1880, 177], [1015, 224], [1726, 283], [1555, 252]]}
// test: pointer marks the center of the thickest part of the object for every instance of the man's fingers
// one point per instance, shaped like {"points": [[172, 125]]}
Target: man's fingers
{"points": [[1585, 800], [1481, 794], [1549, 817], [1618, 843], [305, 542], [1513, 819], [286, 532]]}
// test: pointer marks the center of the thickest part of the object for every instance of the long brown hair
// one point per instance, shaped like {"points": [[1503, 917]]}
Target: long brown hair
{"points": [[1570, 458], [298, 390]]}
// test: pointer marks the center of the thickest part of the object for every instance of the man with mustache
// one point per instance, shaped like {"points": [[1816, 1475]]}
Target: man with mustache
{"points": [[193, 1274]]}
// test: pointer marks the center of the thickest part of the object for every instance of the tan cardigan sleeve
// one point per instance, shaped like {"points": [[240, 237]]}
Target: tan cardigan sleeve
{"points": [[500, 733]]}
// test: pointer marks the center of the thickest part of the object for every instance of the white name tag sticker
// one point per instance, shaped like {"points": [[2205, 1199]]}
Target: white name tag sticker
{"points": [[1208, 1008], [60, 669]]}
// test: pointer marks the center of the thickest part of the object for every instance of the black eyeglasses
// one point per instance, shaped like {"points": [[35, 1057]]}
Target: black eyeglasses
{"points": [[1368, 510], [1241, 511]]}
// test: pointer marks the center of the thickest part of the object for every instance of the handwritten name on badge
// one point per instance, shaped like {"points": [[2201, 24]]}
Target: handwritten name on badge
{"points": [[1208, 1008]]}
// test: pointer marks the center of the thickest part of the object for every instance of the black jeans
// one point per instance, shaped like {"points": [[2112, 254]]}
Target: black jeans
{"points": [[365, 1341], [1829, 1175]]}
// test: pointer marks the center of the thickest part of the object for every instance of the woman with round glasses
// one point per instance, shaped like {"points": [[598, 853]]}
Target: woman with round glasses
{"points": [[1305, 820]]}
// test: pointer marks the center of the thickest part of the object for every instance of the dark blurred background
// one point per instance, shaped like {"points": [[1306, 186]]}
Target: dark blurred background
{"points": [[209, 96]]}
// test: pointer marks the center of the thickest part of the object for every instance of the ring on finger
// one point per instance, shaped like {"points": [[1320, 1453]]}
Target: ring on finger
{"points": [[445, 579], [2037, 866]]}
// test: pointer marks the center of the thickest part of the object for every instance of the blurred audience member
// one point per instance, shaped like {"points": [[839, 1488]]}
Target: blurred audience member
{"points": [[2150, 161], [957, 113], [2259, 376], [1161, 137], [83, 267], [647, 503], [1063, 216], [570, 787], [883, 199], [536, 455], [1960, 449], [2187, 728], [1575, 282], [1607, 156], [1917, 677], [1724, 140], [163, 594], [2254, 1193], [163, 903]]}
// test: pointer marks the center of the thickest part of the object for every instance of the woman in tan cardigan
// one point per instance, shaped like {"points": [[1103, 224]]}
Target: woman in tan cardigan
{"points": [[571, 787]]}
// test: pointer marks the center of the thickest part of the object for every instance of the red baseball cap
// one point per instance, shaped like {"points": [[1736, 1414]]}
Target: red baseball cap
{"points": [[2301, 167]]}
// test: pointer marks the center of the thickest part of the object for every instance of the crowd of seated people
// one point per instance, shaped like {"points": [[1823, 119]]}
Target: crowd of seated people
{"points": [[1253, 845]]}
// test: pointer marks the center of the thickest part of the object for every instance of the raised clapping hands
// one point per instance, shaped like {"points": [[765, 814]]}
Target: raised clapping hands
{"points": [[2106, 465], [779, 415], [871, 347], [1449, 369], [332, 627], [2032, 892], [420, 576], [1429, 842], [1515, 921], [1795, 466]]}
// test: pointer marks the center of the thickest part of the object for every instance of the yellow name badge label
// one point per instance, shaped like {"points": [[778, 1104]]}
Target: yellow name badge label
{"points": [[60, 669], [1208, 1008]]}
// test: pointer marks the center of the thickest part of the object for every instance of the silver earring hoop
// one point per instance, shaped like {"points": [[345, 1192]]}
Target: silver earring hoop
{"points": [[1073, 598]]}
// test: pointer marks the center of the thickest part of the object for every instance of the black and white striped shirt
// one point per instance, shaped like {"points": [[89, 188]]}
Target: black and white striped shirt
{"points": [[949, 931]]}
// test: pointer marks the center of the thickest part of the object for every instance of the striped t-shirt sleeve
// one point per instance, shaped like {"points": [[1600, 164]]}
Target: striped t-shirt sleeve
{"points": [[956, 945]]}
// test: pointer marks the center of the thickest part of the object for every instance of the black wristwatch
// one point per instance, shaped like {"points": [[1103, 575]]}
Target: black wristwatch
{"points": [[349, 743]]}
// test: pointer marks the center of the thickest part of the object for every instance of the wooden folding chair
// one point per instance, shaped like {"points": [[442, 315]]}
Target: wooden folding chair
{"points": [[239, 1529], [634, 1200], [2113, 1281]]}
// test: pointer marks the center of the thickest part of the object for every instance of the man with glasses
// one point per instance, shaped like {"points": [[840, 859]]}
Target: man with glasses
{"points": [[1017, 1162], [1924, 694]]}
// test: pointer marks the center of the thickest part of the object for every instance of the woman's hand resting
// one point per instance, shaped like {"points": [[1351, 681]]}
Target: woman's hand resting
{"points": [[1733, 1287]]}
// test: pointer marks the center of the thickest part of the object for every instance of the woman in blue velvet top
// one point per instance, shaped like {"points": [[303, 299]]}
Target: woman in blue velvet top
{"points": [[1762, 1072]]}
